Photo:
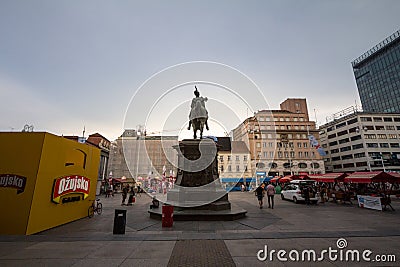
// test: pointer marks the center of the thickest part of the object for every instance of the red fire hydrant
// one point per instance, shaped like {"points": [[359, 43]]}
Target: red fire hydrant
{"points": [[167, 216]]}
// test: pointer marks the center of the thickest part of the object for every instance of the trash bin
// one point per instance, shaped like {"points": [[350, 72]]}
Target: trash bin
{"points": [[119, 222], [167, 216]]}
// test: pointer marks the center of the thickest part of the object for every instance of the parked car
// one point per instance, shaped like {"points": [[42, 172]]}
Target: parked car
{"points": [[294, 191]]}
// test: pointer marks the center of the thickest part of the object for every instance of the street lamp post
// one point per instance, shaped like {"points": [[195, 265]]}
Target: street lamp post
{"points": [[253, 131], [383, 164], [361, 131]]}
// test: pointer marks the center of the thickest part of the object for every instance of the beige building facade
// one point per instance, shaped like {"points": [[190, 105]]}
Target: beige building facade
{"points": [[235, 163], [133, 155], [279, 140]]}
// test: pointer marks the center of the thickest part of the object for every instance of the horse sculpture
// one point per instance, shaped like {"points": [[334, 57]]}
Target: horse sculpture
{"points": [[198, 115]]}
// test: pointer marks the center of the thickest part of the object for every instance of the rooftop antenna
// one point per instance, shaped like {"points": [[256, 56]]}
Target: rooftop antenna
{"points": [[83, 133]]}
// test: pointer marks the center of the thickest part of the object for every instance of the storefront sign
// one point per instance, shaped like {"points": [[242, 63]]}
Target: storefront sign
{"points": [[369, 202], [67, 185], [13, 181]]}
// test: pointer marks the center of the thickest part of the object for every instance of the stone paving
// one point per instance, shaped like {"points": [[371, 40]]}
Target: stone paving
{"points": [[90, 242]]}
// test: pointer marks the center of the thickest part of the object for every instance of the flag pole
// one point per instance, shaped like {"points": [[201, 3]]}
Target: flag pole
{"points": [[312, 160]]}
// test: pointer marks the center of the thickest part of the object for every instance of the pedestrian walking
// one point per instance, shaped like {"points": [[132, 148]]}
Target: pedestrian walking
{"points": [[306, 192], [131, 198], [124, 194], [270, 195], [259, 192]]}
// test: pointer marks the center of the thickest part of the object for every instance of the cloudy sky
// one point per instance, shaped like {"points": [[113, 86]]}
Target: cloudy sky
{"points": [[69, 64]]}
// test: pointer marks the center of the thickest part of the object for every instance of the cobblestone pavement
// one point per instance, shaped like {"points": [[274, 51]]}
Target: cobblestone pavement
{"points": [[90, 242]]}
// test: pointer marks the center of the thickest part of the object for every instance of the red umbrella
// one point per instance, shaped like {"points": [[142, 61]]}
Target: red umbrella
{"points": [[274, 180], [285, 180]]}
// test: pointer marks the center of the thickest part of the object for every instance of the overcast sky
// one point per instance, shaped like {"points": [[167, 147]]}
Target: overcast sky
{"points": [[69, 64]]}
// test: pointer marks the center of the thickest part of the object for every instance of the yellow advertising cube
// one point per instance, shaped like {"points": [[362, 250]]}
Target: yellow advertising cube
{"points": [[45, 181]]}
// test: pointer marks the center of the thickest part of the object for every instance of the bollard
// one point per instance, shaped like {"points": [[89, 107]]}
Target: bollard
{"points": [[119, 222], [167, 216]]}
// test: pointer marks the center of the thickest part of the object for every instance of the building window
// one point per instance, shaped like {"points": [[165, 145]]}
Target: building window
{"points": [[229, 158], [279, 154], [271, 144], [347, 157], [258, 144], [299, 145], [384, 145], [395, 145], [377, 119], [264, 144], [237, 158], [265, 154], [271, 154], [382, 136], [237, 168], [315, 165], [358, 146], [305, 145], [306, 154], [222, 168], [221, 158], [348, 165], [286, 154], [372, 144], [245, 157], [302, 165], [361, 164], [392, 136], [300, 154], [370, 136], [390, 127], [366, 119], [359, 155], [229, 168], [346, 148]]}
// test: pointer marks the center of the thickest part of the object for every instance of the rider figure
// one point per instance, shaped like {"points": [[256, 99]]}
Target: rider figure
{"points": [[200, 111]]}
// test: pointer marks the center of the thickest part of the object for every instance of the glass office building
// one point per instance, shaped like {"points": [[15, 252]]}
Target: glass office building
{"points": [[377, 74]]}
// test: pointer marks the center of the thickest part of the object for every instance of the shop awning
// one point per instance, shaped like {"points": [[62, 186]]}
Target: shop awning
{"points": [[125, 180], [370, 177], [328, 177]]}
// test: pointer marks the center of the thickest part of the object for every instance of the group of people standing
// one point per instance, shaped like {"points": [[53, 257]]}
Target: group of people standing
{"points": [[131, 191], [260, 193]]}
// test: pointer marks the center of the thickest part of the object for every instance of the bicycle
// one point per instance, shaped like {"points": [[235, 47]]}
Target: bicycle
{"points": [[98, 208]]}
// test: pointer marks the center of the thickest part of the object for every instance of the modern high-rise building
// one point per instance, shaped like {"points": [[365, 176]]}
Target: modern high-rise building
{"points": [[377, 74], [361, 141]]}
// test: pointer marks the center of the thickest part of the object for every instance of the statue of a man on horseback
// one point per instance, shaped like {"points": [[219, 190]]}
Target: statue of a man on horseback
{"points": [[198, 114]]}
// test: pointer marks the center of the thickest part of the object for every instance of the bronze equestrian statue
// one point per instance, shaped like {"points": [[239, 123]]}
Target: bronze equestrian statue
{"points": [[198, 114]]}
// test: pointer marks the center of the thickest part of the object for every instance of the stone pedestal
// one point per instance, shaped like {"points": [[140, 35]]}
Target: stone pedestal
{"points": [[198, 194]]}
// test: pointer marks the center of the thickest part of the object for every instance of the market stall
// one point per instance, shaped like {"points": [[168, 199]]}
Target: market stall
{"points": [[373, 184], [330, 185]]}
